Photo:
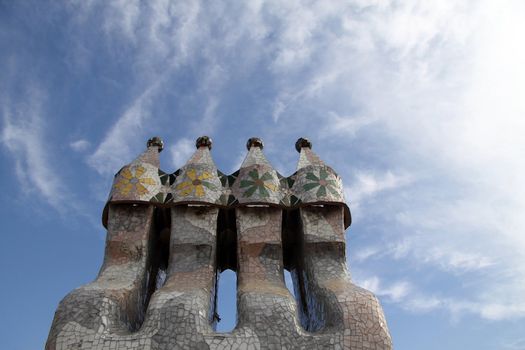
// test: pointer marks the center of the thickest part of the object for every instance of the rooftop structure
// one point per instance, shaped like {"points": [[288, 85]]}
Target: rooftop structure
{"points": [[170, 235]]}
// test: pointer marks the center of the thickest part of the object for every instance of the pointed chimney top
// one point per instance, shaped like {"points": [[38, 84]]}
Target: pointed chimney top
{"points": [[198, 182]]}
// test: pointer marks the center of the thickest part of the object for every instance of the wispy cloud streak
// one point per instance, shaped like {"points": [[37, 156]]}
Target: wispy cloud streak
{"points": [[116, 147], [23, 135]]}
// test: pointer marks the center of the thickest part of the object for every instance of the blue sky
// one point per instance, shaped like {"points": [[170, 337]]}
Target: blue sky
{"points": [[417, 104]]}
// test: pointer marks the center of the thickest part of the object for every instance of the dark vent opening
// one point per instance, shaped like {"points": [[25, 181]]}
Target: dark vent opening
{"points": [[226, 240], [161, 246]]}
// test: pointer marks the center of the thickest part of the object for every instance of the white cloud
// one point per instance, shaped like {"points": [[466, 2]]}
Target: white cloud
{"points": [[344, 125], [395, 292], [451, 259], [80, 145], [166, 37], [367, 185], [500, 311], [23, 135], [365, 253], [423, 303], [181, 152], [404, 294], [457, 308], [455, 260], [124, 17], [447, 258], [115, 150]]}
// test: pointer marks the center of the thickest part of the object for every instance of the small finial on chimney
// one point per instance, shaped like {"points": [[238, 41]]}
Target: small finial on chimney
{"points": [[254, 142], [156, 141], [204, 141], [302, 143]]}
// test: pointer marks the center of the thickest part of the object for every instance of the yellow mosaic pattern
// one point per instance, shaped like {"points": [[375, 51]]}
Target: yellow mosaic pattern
{"points": [[194, 184], [131, 180]]}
